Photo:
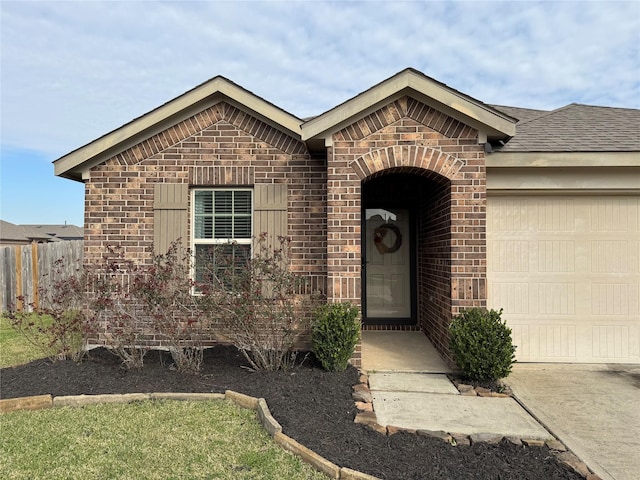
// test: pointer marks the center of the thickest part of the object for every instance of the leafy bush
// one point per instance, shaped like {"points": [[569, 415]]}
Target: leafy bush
{"points": [[481, 344], [335, 332]]}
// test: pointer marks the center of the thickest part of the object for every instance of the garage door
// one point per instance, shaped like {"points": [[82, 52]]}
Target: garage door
{"points": [[566, 270]]}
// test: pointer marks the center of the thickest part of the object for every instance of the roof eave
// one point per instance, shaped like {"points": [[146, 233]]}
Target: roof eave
{"points": [[491, 122], [76, 164]]}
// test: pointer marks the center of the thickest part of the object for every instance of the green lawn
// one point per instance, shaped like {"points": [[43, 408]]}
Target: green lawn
{"points": [[14, 349], [145, 440]]}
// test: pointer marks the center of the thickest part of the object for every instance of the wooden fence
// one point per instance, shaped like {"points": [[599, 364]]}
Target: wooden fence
{"points": [[26, 269]]}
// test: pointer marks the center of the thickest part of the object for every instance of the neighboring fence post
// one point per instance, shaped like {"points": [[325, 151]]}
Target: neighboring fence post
{"points": [[34, 272], [19, 302]]}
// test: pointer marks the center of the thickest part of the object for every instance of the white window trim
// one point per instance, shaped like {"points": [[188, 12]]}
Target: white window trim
{"points": [[216, 241]]}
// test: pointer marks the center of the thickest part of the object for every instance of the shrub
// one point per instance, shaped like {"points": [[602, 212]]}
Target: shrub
{"points": [[256, 301], [165, 292], [111, 309], [55, 324], [335, 332], [130, 302], [481, 344]]}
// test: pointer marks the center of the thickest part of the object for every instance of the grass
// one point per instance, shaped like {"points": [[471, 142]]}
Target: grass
{"points": [[145, 440], [14, 348]]}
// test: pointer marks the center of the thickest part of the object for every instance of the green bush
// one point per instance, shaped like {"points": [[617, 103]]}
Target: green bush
{"points": [[335, 332], [481, 344]]}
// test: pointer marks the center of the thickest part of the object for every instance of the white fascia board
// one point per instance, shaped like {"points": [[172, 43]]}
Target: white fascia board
{"points": [[563, 159], [182, 107], [426, 90]]}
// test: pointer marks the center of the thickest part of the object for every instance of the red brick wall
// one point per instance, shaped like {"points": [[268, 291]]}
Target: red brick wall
{"points": [[222, 146], [407, 136]]}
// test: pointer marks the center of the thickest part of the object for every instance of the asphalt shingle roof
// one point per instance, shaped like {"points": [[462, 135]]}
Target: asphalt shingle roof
{"points": [[521, 114], [576, 128], [25, 233]]}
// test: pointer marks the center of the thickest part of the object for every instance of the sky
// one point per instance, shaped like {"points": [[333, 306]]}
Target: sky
{"points": [[72, 71]]}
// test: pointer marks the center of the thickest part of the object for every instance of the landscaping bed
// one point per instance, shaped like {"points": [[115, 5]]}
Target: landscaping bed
{"points": [[313, 406]]}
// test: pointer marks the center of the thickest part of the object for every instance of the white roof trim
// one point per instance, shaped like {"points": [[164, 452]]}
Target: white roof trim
{"points": [[472, 112], [176, 110]]}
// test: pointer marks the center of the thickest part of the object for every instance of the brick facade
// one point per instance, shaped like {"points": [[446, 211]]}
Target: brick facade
{"points": [[226, 146], [409, 137], [222, 146]]}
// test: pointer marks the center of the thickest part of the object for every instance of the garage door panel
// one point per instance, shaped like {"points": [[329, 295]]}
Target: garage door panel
{"points": [[566, 271]]}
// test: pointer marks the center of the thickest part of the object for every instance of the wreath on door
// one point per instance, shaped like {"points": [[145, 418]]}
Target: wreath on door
{"points": [[382, 232]]}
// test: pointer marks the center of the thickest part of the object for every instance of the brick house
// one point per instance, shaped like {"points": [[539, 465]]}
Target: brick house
{"points": [[412, 200]]}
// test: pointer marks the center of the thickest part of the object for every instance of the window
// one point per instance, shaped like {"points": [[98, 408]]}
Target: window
{"points": [[222, 231]]}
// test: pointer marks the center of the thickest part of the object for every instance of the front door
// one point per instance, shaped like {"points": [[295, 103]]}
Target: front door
{"points": [[387, 266]]}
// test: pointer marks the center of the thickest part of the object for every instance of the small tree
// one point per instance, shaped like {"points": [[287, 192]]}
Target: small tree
{"points": [[335, 333], [131, 302], [165, 292], [255, 298], [481, 344], [111, 309]]}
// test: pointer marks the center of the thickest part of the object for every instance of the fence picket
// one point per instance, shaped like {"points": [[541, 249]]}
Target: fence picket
{"points": [[26, 268]]}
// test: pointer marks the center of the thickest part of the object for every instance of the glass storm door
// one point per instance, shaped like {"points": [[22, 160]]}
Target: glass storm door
{"points": [[387, 263]]}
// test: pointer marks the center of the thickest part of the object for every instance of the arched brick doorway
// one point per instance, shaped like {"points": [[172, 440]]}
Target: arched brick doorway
{"points": [[448, 210]]}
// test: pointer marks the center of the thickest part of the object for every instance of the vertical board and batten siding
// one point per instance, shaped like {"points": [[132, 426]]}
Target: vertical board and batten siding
{"points": [[170, 215], [270, 211], [26, 269], [171, 210], [566, 270]]}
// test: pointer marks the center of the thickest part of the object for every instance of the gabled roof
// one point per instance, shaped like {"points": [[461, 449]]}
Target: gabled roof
{"points": [[10, 232], [74, 164], [486, 119], [578, 128], [63, 232]]}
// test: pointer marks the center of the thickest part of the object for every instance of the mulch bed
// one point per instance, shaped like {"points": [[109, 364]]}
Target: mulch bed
{"points": [[313, 406]]}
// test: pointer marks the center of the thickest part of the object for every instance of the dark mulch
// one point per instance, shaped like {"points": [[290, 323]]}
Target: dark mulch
{"points": [[313, 406]]}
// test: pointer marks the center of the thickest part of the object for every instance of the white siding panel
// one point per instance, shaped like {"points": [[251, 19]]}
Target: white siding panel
{"points": [[566, 271]]}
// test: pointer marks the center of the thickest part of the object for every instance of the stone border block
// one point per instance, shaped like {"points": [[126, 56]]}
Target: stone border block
{"points": [[268, 422], [180, 396], [348, 474], [442, 435], [242, 400], [319, 463], [80, 400], [490, 438], [37, 402]]}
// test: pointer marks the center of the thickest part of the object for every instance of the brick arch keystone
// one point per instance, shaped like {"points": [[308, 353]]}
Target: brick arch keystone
{"points": [[413, 156]]}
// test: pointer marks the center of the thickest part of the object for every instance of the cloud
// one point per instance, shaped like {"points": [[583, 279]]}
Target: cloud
{"points": [[73, 71]]}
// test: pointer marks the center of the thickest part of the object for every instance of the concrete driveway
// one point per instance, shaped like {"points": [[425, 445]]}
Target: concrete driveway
{"points": [[593, 409]]}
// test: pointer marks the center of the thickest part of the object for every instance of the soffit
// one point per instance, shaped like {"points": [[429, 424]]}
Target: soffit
{"points": [[218, 89]]}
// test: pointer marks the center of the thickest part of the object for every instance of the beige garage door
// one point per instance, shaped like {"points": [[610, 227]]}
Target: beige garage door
{"points": [[566, 270]]}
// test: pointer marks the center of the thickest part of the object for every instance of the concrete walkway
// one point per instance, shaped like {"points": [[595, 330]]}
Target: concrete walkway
{"points": [[593, 409], [431, 402], [410, 389]]}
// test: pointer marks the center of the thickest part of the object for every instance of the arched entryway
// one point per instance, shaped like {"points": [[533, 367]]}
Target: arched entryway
{"points": [[449, 218], [406, 245]]}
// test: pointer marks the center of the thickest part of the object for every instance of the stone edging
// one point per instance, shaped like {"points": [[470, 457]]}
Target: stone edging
{"points": [[259, 405], [364, 403]]}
